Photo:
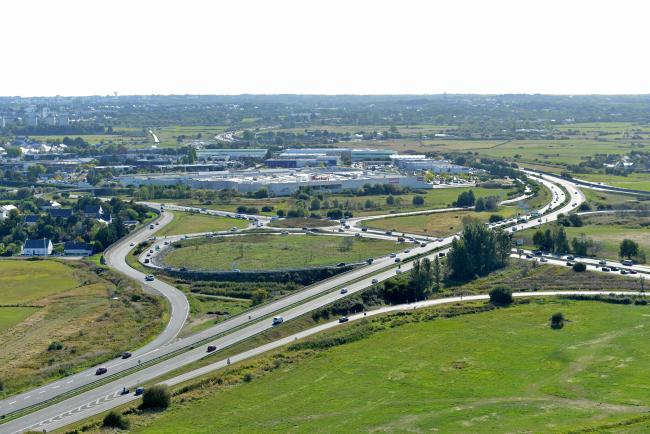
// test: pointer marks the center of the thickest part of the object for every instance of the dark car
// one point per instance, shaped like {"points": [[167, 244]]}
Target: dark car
{"points": [[344, 319], [101, 371], [139, 391], [614, 268], [632, 271], [605, 269], [398, 260], [341, 264], [441, 254], [364, 229], [570, 264], [126, 355]]}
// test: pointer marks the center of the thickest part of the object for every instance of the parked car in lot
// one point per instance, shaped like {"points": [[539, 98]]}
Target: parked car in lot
{"points": [[211, 348], [101, 371]]}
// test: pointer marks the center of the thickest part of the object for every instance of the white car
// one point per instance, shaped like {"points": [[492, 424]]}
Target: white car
{"points": [[344, 290]]}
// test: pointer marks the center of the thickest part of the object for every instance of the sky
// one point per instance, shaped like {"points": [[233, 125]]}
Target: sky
{"points": [[81, 47]]}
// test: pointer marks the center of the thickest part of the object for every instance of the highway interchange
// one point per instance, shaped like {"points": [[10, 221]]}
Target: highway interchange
{"points": [[62, 402]]}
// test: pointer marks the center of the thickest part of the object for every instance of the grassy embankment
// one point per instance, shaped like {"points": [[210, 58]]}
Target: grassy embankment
{"points": [[92, 313]]}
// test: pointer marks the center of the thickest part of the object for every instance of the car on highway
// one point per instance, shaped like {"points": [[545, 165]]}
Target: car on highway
{"points": [[341, 264], [570, 257], [344, 290], [364, 229], [398, 271], [285, 232], [613, 268], [132, 244], [125, 391], [341, 230], [632, 271], [139, 391], [370, 261], [151, 226], [101, 371], [529, 256], [233, 229], [605, 269], [423, 244], [398, 259], [407, 251], [149, 278], [543, 259], [441, 254], [570, 263], [602, 262], [344, 319], [392, 255], [357, 235], [627, 262], [623, 271], [126, 355], [211, 348], [375, 281], [388, 233], [157, 223], [277, 320]]}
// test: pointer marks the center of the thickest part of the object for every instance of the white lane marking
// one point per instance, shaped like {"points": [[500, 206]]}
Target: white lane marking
{"points": [[41, 392], [12, 402], [55, 387], [68, 382]]}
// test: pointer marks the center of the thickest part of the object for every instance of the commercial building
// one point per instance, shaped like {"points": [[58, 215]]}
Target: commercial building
{"points": [[279, 182], [230, 154], [355, 155], [307, 160], [436, 166]]}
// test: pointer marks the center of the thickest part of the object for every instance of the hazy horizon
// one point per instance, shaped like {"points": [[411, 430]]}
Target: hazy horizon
{"points": [[80, 48]]}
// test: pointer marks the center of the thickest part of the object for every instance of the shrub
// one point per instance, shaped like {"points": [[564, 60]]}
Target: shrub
{"points": [[495, 218], [115, 420], [136, 297], [55, 346], [156, 397], [557, 320], [579, 267], [501, 296]]}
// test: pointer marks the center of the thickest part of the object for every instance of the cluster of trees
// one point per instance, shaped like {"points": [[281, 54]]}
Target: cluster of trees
{"points": [[14, 231], [424, 277], [465, 199], [477, 251], [571, 220], [553, 239], [490, 203]]}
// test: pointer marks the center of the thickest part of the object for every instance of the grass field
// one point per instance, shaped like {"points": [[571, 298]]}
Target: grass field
{"points": [[187, 223], [94, 315], [25, 281], [269, 252], [511, 373], [10, 316], [608, 230], [302, 222], [605, 199], [635, 181], [436, 224]]}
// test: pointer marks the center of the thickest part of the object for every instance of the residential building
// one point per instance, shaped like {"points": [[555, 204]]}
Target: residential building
{"points": [[93, 212], [64, 213], [40, 247], [72, 248], [31, 219]]}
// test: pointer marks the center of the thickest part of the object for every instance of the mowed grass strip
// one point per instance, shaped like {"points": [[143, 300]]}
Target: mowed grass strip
{"points": [[272, 252], [501, 371], [188, 223], [22, 281]]}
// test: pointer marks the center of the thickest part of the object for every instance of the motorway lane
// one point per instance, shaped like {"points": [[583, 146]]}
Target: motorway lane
{"points": [[365, 272]]}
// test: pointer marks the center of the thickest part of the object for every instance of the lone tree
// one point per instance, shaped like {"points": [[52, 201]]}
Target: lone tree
{"points": [[628, 249], [418, 200], [501, 296], [156, 397], [557, 320]]}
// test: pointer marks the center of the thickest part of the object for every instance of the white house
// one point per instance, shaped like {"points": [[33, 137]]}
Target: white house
{"points": [[5, 210], [40, 247]]}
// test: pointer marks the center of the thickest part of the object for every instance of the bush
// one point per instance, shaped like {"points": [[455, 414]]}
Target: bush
{"points": [[557, 320], [156, 397], [501, 296], [495, 218], [115, 420], [579, 267], [55, 346]]}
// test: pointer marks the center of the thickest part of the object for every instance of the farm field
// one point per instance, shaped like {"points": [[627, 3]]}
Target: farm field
{"points": [[635, 181], [187, 223], [269, 252], [91, 316], [608, 230], [585, 375], [439, 224]]}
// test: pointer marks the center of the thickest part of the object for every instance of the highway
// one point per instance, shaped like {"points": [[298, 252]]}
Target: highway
{"points": [[227, 333]]}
